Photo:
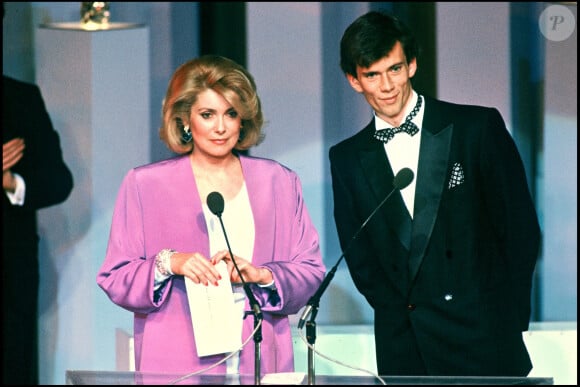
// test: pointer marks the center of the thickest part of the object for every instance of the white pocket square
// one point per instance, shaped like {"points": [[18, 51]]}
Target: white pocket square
{"points": [[457, 177]]}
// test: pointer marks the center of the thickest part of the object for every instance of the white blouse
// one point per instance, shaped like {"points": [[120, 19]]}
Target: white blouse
{"points": [[238, 222]]}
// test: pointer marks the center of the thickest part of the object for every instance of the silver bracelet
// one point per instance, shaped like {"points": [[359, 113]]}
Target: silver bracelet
{"points": [[163, 261]]}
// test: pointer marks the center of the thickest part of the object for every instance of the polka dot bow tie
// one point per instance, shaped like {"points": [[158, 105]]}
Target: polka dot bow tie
{"points": [[386, 135]]}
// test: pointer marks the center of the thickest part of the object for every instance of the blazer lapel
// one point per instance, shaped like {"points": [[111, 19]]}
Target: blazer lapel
{"points": [[373, 160], [431, 174]]}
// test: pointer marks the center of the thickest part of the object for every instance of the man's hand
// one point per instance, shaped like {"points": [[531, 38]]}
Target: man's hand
{"points": [[12, 152]]}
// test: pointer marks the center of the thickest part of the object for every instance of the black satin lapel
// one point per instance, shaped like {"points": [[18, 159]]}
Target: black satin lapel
{"points": [[379, 173], [430, 182]]}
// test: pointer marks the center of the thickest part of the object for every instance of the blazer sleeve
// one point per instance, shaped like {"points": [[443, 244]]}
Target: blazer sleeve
{"points": [[359, 256], [512, 207], [48, 179], [296, 262], [126, 275]]}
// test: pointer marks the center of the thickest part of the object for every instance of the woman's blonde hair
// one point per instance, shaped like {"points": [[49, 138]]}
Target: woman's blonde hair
{"points": [[223, 76]]}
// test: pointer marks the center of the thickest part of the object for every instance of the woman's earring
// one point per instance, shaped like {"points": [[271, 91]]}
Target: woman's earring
{"points": [[186, 135]]}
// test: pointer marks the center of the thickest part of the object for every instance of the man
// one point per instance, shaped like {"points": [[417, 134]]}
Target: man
{"points": [[447, 262], [34, 176]]}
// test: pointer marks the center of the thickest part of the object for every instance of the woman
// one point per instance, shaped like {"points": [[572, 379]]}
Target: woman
{"points": [[165, 239]]}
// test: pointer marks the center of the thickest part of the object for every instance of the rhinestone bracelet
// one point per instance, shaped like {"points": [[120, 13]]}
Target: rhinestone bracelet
{"points": [[163, 261]]}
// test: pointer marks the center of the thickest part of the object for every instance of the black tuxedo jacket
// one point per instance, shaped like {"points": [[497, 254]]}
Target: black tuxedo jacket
{"points": [[450, 288], [48, 182]]}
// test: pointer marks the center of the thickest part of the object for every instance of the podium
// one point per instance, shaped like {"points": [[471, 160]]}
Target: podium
{"points": [[136, 378]]}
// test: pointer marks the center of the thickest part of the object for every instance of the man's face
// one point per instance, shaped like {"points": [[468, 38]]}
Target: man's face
{"points": [[386, 84]]}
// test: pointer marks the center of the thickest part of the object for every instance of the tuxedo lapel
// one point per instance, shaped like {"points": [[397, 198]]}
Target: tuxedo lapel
{"points": [[431, 175], [379, 173]]}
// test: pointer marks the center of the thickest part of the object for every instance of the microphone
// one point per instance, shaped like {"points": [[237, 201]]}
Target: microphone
{"points": [[403, 178], [215, 202]]}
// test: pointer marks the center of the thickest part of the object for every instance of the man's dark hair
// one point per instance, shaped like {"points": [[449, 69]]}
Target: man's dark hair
{"points": [[371, 37]]}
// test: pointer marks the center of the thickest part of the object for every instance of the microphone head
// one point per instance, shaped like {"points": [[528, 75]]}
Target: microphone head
{"points": [[403, 178], [215, 202]]}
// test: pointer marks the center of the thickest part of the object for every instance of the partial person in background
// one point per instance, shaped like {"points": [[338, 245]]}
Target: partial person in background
{"points": [[34, 176], [447, 262], [164, 237]]}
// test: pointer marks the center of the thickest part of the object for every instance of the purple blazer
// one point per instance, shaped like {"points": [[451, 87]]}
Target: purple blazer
{"points": [[158, 207]]}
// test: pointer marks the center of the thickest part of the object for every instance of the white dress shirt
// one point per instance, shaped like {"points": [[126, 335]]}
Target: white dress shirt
{"points": [[403, 150]]}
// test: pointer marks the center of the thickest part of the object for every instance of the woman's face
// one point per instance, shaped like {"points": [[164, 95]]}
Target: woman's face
{"points": [[215, 125]]}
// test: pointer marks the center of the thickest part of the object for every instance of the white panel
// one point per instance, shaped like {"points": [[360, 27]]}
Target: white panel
{"points": [[558, 180], [473, 61], [96, 88]]}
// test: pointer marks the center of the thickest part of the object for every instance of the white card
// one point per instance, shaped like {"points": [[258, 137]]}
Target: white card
{"points": [[214, 317]]}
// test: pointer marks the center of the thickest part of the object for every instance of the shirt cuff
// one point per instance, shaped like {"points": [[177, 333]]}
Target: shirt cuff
{"points": [[160, 279], [17, 197], [271, 285]]}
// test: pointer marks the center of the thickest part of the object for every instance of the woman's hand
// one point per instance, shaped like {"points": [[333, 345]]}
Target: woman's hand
{"points": [[195, 267], [251, 273]]}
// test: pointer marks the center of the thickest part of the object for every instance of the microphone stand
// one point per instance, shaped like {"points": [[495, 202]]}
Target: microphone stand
{"points": [[257, 335], [401, 180], [311, 338], [255, 311], [311, 325]]}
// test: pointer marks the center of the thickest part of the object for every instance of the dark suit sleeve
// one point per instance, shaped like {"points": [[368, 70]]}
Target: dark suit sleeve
{"points": [[361, 261], [510, 202], [48, 179]]}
